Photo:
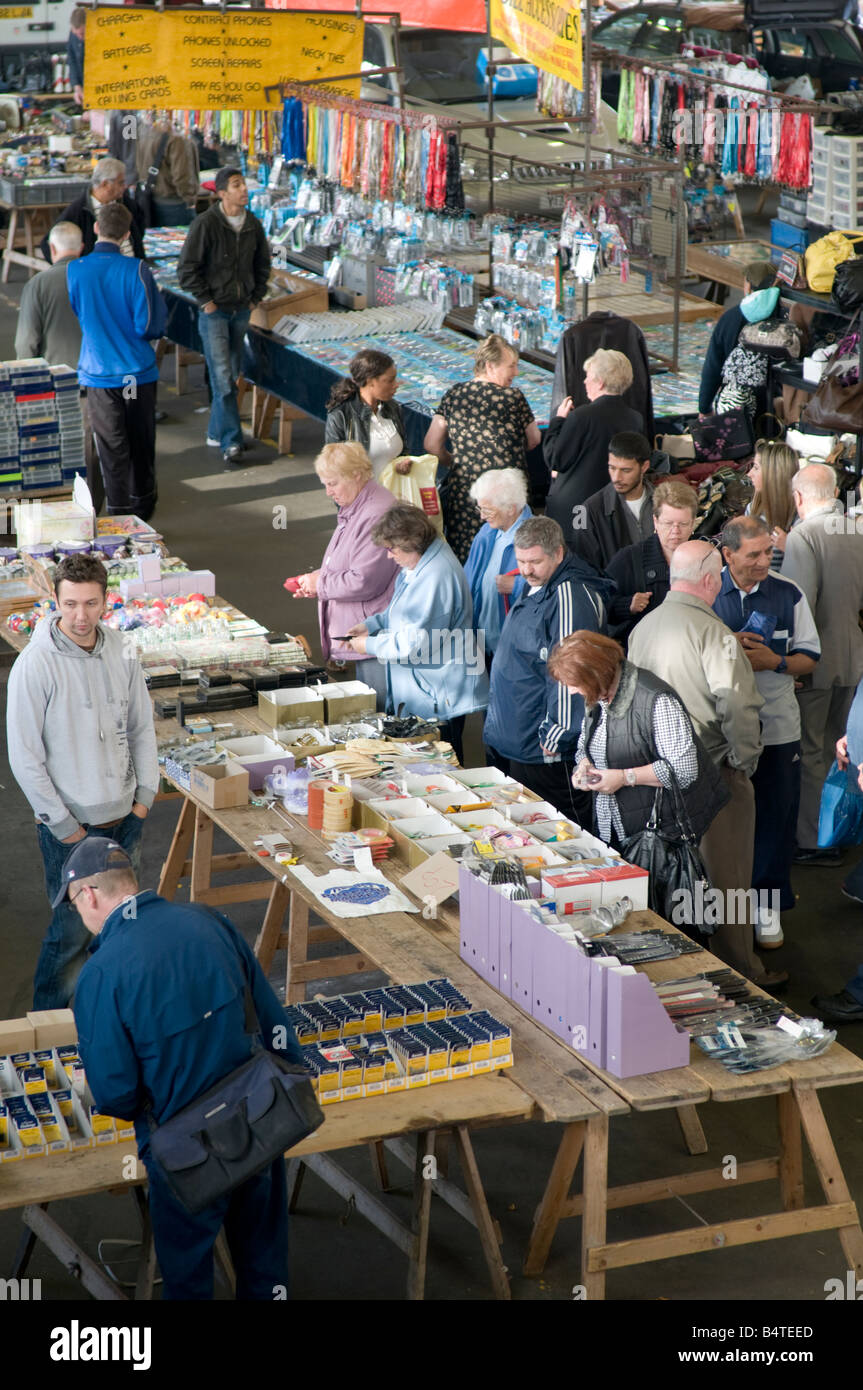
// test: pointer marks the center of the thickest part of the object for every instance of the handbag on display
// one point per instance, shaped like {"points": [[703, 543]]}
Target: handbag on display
{"points": [[823, 257], [676, 869], [777, 338], [848, 285], [236, 1128], [727, 436], [836, 406]]}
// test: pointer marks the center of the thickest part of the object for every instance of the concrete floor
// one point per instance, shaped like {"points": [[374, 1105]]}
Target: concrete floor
{"points": [[225, 522]]}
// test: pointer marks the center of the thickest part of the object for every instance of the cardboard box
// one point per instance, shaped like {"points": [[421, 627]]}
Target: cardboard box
{"points": [[344, 699], [17, 1035], [71, 519], [299, 297], [259, 755], [220, 785], [290, 705], [53, 1027]]}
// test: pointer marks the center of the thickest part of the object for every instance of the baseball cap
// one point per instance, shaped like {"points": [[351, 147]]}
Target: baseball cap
{"points": [[94, 855]]}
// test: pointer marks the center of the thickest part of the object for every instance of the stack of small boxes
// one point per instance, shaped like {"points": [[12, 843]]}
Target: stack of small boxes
{"points": [[38, 428], [68, 401], [158, 583], [45, 1103], [400, 1038], [10, 466], [836, 198]]}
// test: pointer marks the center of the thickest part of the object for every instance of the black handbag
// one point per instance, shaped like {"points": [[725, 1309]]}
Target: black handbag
{"points": [[144, 191], [236, 1128], [726, 436], [678, 879], [848, 285]]}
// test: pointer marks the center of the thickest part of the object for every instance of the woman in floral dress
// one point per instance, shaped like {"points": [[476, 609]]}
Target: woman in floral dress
{"points": [[490, 425]]}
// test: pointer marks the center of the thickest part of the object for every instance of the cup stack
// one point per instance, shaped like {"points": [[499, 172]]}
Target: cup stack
{"points": [[338, 810]]}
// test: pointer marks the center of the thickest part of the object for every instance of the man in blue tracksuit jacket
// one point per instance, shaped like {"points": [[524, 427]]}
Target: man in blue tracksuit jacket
{"points": [[160, 1014], [533, 723], [121, 313]]}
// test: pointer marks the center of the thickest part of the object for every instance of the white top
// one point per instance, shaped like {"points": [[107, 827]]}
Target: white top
{"points": [[385, 443]]}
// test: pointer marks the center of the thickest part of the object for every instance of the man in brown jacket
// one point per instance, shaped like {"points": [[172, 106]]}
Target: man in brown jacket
{"points": [[824, 555], [175, 188]]}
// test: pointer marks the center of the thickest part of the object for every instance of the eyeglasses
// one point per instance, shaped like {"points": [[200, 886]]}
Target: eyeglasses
{"points": [[72, 901]]}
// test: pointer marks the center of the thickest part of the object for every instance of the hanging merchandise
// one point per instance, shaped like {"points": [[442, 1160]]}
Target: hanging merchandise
{"points": [[555, 97]]}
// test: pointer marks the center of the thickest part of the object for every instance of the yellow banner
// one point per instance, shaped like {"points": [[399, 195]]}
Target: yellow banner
{"points": [[203, 59], [545, 33]]}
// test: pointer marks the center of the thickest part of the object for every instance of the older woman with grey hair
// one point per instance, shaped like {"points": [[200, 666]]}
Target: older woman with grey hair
{"points": [[107, 185], [576, 442], [491, 569]]}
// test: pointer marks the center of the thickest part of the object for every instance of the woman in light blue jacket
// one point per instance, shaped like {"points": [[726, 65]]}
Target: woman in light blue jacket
{"points": [[435, 664]]}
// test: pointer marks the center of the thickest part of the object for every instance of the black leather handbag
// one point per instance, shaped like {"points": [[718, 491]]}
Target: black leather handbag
{"points": [[234, 1130], [678, 878], [848, 284]]}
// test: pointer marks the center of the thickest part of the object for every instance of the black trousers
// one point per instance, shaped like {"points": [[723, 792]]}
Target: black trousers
{"points": [[551, 781], [124, 425], [777, 802]]}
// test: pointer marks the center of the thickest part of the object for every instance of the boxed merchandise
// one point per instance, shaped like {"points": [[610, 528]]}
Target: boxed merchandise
{"points": [[290, 705], [52, 1027], [220, 785], [259, 755], [343, 700], [294, 295], [16, 1035]]}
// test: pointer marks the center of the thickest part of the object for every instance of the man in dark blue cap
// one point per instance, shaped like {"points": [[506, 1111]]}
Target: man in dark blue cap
{"points": [[160, 1011]]}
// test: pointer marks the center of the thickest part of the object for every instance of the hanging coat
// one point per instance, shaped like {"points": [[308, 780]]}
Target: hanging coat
{"points": [[602, 329]]}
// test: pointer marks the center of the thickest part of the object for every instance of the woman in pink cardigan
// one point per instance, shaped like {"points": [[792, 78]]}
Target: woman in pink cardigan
{"points": [[356, 576]]}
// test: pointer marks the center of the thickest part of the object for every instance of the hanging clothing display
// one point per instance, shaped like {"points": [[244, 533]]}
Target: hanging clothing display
{"points": [[555, 97], [755, 137]]}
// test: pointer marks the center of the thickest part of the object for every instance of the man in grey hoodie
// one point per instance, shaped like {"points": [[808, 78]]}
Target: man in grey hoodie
{"points": [[82, 748]]}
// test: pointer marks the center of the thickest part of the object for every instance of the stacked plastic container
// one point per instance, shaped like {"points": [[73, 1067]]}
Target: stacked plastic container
{"points": [[38, 430], [10, 467], [836, 199], [68, 402]]}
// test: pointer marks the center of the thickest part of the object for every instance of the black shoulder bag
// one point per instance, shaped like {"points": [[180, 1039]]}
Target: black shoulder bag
{"points": [[675, 866], [144, 191], [237, 1128]]}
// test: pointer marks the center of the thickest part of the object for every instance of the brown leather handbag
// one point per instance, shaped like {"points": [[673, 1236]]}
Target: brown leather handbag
{"points": [[835, 407]]}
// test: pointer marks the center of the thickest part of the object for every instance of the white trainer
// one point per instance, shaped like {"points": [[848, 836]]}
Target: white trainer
{"points": [[214, 443], [768, 930]]}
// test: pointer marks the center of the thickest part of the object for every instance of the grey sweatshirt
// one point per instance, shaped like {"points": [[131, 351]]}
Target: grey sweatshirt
{"points": [[79, 728]]}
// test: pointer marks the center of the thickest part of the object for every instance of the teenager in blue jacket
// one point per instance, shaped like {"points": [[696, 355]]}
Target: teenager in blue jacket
{"points": [[160, 1012], [533, 723], [122, 314]]}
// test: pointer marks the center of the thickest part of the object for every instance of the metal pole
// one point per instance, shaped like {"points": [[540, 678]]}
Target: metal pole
{"points": [[586, 40], [681, 237]]}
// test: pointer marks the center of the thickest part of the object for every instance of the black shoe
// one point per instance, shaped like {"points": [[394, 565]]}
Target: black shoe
{"points": [[816, 856], [838, 1008], [852, 897], [234, 456]]}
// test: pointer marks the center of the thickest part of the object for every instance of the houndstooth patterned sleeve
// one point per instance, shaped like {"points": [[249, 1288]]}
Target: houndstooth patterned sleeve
{"points": [[672, 734]]}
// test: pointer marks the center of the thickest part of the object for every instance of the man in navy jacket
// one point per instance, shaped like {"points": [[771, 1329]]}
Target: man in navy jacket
{"points": [[121, 313], [160, 1014], [533, 723]]}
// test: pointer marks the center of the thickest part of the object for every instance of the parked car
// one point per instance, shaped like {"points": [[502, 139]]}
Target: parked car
{"points": [[789, 38]]}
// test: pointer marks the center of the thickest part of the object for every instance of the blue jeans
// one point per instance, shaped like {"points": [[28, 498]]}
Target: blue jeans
{"points": [[222, 335], [255, 1217], [64, 949], [172, 214]]}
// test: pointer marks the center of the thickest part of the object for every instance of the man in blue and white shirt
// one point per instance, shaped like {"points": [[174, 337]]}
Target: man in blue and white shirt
{"points": [[773, 622]]}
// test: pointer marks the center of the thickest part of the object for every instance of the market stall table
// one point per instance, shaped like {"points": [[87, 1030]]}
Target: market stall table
{"points": [[457, 1107], [30, 221], [723, 262], [404, 946]]}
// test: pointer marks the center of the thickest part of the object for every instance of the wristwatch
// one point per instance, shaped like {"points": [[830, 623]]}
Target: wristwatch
{"points": [[783, 666], [629, 777]]}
